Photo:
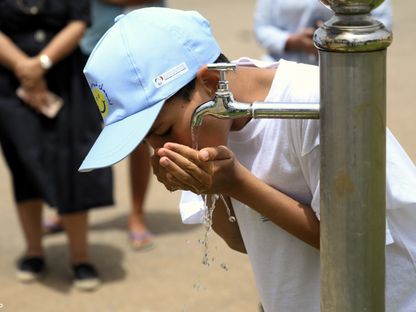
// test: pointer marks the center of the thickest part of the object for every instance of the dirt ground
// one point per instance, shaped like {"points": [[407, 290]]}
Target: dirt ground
{"points": [[171, 277]]}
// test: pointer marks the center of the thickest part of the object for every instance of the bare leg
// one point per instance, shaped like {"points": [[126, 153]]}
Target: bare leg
{"points": [[30, 216], [139, 179], [75, 225]]}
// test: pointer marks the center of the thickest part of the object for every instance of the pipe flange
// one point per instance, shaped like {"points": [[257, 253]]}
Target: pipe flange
{"points": [[352, 33]]}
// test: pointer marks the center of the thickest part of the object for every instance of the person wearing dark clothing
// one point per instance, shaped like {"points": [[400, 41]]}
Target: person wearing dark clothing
{"points": [[40, 67]]}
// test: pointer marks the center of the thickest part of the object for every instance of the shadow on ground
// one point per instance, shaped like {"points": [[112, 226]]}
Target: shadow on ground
{"points": [[159, 222], [58, 276]]}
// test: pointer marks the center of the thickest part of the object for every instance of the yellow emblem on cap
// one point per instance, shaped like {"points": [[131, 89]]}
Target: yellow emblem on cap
{"points": [[101, 100]]}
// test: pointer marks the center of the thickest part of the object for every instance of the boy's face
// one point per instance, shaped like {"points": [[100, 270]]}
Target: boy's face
{"points": [[174, 122]]}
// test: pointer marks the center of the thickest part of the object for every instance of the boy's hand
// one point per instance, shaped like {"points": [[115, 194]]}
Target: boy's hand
{"points": [[208, 171]]}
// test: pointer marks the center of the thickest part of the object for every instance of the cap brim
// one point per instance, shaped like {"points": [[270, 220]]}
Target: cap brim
{"points": [[117, 140]]}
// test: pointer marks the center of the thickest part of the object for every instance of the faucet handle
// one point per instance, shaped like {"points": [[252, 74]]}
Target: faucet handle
{"points": [[222, 68]]}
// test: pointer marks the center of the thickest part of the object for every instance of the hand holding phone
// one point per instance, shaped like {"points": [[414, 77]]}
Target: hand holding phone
{"points": [[42, 100]]}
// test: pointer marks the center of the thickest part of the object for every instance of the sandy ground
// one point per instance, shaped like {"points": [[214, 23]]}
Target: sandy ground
{"points": [[171, 277]]}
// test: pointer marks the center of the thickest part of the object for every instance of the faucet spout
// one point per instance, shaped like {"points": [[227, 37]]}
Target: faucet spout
{"points": [[200, 112], [232, 110], [220, 107], [224, 106]]}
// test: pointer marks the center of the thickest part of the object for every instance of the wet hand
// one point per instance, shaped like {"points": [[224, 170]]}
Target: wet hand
{"points": [[208, 171], [177, 167], [161, 173]]}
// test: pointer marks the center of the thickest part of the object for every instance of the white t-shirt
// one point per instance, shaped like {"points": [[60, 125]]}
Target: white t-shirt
{"points": [[278, 151], [285, 154]]}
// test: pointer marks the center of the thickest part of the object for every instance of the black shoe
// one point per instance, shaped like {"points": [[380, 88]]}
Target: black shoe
{"points": [[30, 268], [85, 277]]}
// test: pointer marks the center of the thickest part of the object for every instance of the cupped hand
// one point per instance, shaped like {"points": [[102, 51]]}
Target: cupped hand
{"points": [[208, 171]]}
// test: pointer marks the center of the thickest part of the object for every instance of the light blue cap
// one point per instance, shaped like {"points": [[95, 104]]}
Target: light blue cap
{"points": [[142, 60]]}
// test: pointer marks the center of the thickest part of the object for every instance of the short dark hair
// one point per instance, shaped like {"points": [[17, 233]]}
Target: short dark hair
{"points": [[186, 91]]}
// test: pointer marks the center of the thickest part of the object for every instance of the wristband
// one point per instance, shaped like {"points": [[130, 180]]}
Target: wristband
{"points": [[45, 61]]}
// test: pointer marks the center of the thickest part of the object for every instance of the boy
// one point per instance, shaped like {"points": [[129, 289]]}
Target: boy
{"points": [[268, 168]]}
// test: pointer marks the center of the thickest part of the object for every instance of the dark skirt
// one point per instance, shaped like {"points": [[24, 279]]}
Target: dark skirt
{"points": [[44, 154]]}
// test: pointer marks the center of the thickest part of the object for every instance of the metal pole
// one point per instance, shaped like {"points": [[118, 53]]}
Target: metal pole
{"points": [[352, 51]]}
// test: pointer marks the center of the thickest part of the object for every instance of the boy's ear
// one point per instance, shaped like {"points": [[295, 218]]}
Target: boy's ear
{"points": [[209, 79]]}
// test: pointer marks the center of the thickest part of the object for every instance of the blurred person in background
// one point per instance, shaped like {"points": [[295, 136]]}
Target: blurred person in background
{"points": [[285, 28], [47, 125], [103, 14]]}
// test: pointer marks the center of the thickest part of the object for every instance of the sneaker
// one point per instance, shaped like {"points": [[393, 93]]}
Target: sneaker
{"points": [[30, 268], [85, 277]]}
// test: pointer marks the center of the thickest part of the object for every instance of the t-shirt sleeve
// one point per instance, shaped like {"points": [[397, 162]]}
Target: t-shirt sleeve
{"points": [[80, 10]]}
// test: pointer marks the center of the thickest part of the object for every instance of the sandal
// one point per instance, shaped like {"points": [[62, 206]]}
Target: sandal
{"points": [[52, 226], [141, 240]]}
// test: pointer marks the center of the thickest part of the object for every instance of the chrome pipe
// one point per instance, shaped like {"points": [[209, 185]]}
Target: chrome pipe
{"points": [[285, 110]]}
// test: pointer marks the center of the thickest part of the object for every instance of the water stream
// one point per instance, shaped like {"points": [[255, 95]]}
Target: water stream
{"points": [[207, 223], [209, 202]]}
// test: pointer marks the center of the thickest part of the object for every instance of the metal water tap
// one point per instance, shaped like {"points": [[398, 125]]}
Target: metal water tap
{"points": [[224, 106]]}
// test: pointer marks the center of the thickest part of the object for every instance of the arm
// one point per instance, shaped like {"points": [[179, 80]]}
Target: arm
{"points": [[215, 170], [277, 39], [29, 69], [289, 214], [10, 54], [65, 41]]}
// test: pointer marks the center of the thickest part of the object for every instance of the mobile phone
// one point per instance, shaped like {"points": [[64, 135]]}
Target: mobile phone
{"points": [[52, 105]]}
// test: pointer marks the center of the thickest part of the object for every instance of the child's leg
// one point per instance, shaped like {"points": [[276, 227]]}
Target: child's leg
{"points": [[139, 181]]}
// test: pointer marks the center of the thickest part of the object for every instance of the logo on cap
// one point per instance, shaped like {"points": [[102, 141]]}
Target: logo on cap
{"points": [[170, 75], [100, 98]]}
